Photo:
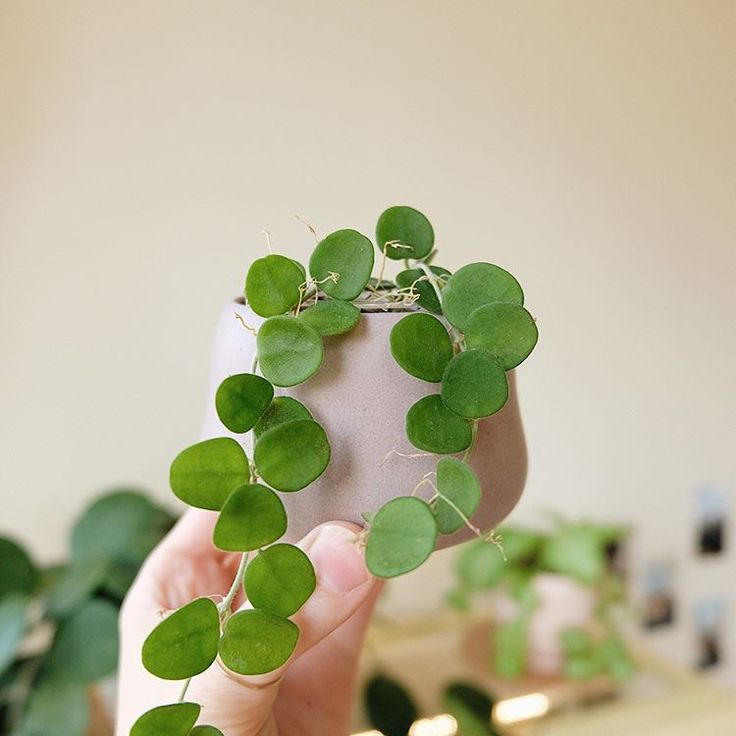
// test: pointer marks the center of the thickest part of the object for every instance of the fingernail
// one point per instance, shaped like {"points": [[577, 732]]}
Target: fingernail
{"points": [[338, 562]]}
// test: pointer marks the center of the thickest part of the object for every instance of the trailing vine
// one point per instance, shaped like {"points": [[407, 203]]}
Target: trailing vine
{"points": [[463, 332]]}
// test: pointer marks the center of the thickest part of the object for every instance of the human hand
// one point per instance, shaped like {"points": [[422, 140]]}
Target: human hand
{"points": [[312, 694]]}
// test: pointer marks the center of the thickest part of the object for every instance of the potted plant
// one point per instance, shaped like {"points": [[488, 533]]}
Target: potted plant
{"points": [[556, 596], [388, 399], [49, 615]]}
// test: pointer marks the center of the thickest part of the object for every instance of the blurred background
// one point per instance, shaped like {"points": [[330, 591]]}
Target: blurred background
{"points": [[586, 146]]}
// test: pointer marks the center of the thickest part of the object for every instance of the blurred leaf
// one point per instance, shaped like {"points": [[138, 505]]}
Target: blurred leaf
{"points": [[18, 574], [86, 645], [122, 526], [58, 708], [480, 565], [520, 545], [389, 706], [470, 707], [12, 627], [510, 647], [615, 659], [75, 584], [577, 551], [576, 642]]}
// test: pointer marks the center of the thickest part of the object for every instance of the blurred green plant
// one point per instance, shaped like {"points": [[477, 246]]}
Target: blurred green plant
{"points": [[59, 624], [580, 551]]}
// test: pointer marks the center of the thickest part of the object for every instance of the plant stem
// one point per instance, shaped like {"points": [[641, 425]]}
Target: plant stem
{"points": [[227, 603], [471, 446], [457, 338], [184, 689]]}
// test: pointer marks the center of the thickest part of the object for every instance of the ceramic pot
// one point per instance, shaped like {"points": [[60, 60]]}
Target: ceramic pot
{"points": [[361, 396], [563, 604]]}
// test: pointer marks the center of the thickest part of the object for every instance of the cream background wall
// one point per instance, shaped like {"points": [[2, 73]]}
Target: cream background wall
{"points": [[588, 146]]}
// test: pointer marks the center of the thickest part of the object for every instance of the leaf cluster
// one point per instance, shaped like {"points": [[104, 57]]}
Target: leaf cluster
{"points": [[58, 624]]}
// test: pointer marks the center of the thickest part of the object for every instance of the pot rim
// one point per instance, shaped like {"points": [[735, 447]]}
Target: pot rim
{"points": [[376, 308]]}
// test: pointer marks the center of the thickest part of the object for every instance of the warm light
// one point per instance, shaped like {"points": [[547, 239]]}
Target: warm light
{"points": [[444, 725], [522, 708], [368, 733]]}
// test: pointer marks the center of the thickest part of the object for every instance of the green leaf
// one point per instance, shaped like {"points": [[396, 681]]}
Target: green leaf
{"points": [[205, 731], [576, 551], [431, 426], [582, 668], [510, 648], [474, 384], [421, 346], [205, 474], [73, 657], [280, 580], [331, 317], [58, 708], [17, 573], [470, 707], [241, 401], [507, 331], [476, 285], [519, 545], [289, 350], [176, 719], [480, 565], [272, 285], [407, 226], [457, 483], [13, 609], [427, 295], [75, 585], [185, 643], [282, 409], [256, 642], [402, 536], [576, 642], [121, 527], [292, 455], [390, 708], [348, 254], [252, 517]]}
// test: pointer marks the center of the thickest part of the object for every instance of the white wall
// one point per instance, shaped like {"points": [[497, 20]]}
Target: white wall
{"points": [[586, 145]]}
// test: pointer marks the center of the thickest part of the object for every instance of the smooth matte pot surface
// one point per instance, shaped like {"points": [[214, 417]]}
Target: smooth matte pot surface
{"points": [[361, 396]]}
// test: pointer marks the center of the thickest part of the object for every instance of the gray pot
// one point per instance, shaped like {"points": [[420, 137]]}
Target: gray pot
{"points": [[361, 396]]}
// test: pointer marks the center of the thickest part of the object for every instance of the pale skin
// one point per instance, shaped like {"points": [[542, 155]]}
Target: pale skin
{"points": [[314, 693]]}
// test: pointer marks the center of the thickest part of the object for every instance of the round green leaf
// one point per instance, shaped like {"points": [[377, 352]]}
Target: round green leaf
{"points": [[402, 536], [421, 346], [292, 455], [289, 350], [474, 384], [576, 551], [407, 226], [427, 295], [252, 517], [205, 731], [86, 645], [241, 401], [256, 642], [272, 285], [458, 484], [76, 583], [331, 317], [122, 527], [390, 707], [205, 474], [280, 579], [431, 426], [57, 707], [476, 285], [12, 627], [17, 573], [507, 331], [282, 409], [176, 719], [185, 643], [348, 254]]}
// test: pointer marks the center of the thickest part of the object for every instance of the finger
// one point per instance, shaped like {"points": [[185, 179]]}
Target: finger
{"points": [[242, 705]]}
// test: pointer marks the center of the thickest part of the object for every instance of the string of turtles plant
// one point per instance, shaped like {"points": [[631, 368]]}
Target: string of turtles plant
{"points": [[462, 333]]}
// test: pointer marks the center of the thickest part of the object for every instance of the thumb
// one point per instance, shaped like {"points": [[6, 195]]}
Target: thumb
{"points": [[242, 705]]}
